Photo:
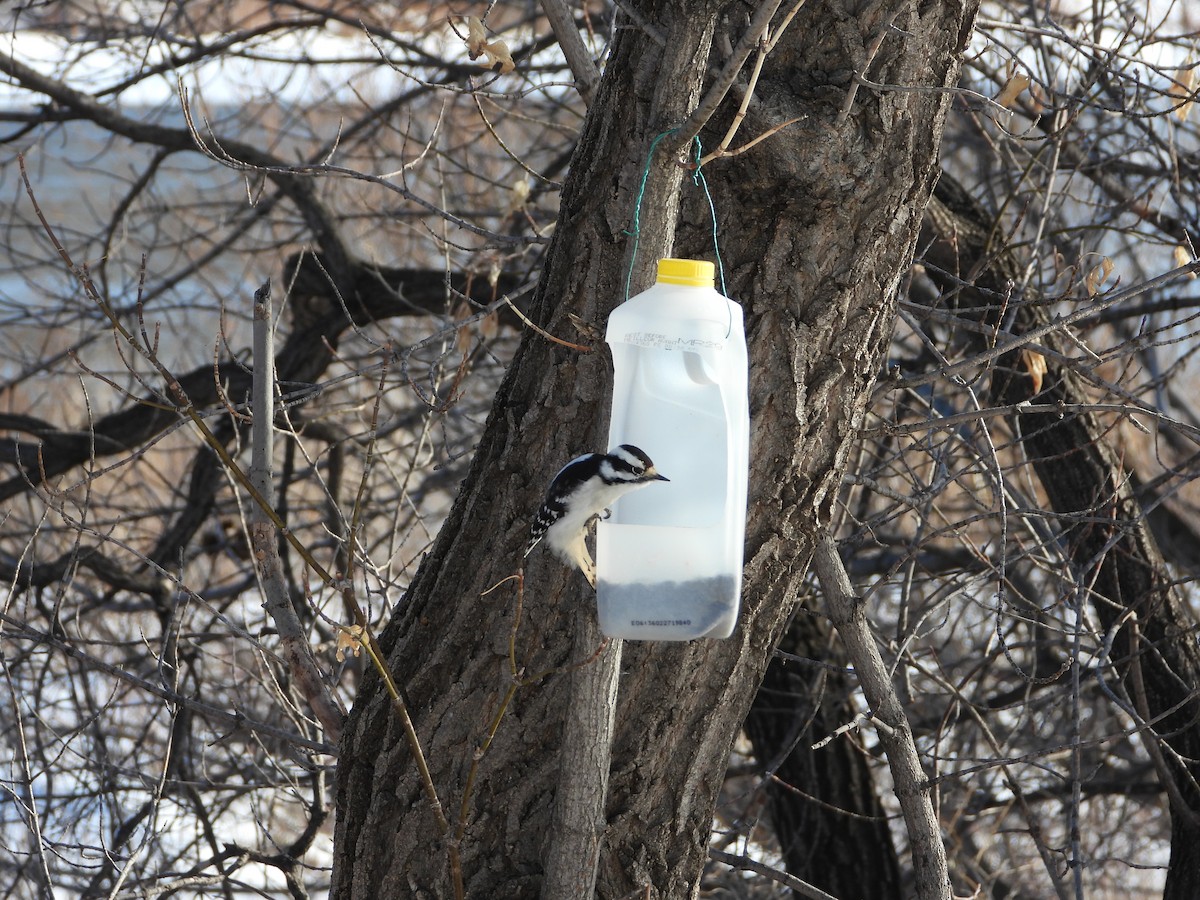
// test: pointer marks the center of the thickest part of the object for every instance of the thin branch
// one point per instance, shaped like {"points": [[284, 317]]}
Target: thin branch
{"points": [[264, 537], [1055, 324], [745, 863], [242, 162], [912, 789], [860, 75], [547, 335]]}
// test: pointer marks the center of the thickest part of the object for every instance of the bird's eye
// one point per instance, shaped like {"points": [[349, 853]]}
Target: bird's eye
{"points": [[638, 470]]}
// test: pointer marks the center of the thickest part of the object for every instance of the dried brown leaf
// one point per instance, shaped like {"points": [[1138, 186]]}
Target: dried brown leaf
{"points": [[1035, 367], [499, 57], [1183, 256], [1096, 277], [1182, 87], [1016, 83], [349, 639], [518, 195], [476, 37]]}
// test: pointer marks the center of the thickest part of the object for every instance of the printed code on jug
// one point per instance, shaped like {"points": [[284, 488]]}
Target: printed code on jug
{"points": [[658, 623]]}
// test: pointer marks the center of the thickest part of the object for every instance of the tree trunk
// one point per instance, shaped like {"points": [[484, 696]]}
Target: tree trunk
{"points": [[817, 225]]}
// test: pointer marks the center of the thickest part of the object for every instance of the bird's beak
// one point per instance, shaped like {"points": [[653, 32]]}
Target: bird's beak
{"points": [[657, 477]]}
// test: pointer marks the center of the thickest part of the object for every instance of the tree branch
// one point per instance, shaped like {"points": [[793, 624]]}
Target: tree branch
{"points": [[583, 67], [911, 784], [377, 294], [16, 628], [264, 537]]}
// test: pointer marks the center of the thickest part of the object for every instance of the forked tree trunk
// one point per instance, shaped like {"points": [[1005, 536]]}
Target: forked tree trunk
{"points": [[818, 223]]}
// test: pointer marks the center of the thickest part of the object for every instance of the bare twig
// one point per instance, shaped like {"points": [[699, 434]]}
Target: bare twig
{"points": [[241, 161], [264, 537], [745, 863], [500, 142], [1169, 776], [860, 75], [1057, 323], [233, 720], [547, 335], [765, 45]]}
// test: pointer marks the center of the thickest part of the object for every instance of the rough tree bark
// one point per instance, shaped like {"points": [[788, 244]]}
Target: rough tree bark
{"points": [[818, 224]]}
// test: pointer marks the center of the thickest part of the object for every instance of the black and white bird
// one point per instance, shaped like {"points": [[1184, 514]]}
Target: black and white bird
{"points": [[583, 490]]}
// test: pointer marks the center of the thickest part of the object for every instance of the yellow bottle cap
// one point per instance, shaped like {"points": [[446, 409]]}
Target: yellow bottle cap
{"points": [[694, 272]]}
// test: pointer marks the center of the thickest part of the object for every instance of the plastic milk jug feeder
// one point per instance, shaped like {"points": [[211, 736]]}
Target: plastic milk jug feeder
{"points": [[669, 558]]}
